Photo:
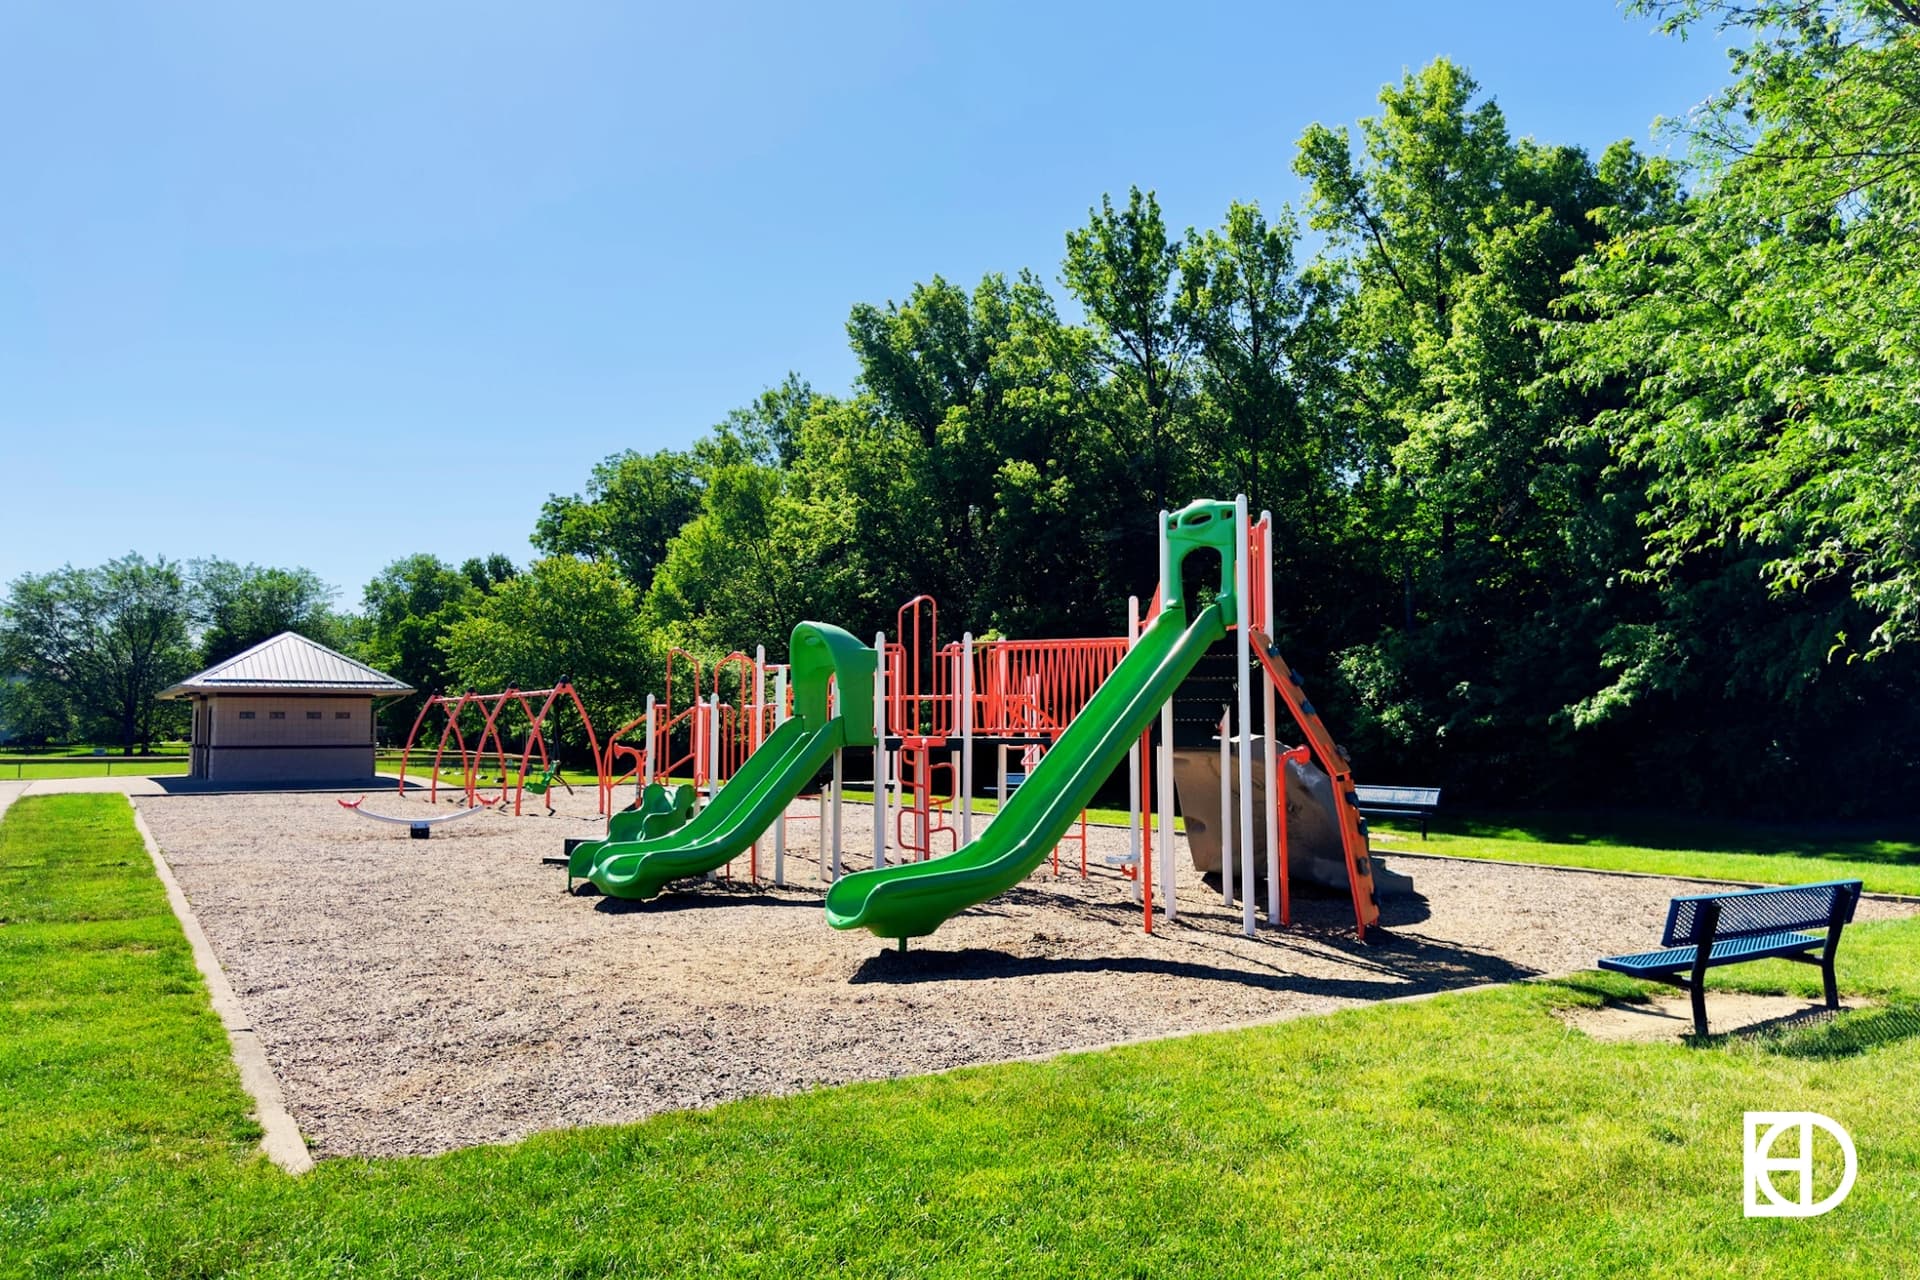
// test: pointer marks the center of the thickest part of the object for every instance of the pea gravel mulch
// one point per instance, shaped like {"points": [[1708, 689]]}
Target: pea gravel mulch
{"points": [[417, 996]]}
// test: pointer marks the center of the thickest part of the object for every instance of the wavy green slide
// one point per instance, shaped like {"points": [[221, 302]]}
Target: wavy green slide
{"points": [[741, 811], [914, 899]]}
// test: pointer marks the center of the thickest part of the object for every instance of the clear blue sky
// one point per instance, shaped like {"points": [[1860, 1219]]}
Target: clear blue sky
{"points": [[334, 286]]}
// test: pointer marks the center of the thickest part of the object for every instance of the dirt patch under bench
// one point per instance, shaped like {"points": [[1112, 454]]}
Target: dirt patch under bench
{"points": [[1665, 1018]]}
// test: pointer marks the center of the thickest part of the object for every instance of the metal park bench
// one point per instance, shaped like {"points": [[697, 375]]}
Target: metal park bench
{"points": [[1707, 930], [1398, 802]]}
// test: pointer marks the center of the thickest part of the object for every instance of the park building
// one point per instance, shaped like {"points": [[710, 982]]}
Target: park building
{"points": [[288, 710]]}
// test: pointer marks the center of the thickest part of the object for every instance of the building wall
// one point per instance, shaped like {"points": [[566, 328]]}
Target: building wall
{"points": [[285, 738]]}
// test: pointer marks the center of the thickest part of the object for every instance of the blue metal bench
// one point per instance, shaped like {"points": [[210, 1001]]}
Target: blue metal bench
{"points": [[1398, 802], [1707, 930]]}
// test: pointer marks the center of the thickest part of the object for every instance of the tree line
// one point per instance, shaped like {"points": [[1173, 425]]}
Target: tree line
{"points": [[1593, 478]]}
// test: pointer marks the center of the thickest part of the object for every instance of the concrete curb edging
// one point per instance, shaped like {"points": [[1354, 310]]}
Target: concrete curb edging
{"points": [[280, 1137]]}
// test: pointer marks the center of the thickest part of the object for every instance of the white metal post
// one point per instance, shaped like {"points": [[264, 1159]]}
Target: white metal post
{"points": [[966, 738], [1276, 768], [1226, 808], [780, 824], [1242, 659], [1165, 771], [1134, 819], [647, 761], [713, 755], [880, 751], [830, 835], [833, 844]]}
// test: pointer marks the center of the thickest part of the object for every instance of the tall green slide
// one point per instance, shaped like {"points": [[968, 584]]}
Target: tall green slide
{"points": [[741, 811], [914, 899]]}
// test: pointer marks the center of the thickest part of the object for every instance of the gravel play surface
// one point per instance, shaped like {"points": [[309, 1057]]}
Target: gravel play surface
{"points": [[416, 996]]}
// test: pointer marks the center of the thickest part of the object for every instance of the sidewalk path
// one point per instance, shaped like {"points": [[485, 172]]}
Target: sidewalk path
{"points": [[12, 789]]}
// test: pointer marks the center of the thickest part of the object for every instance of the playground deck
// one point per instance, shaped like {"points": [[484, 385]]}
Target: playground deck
{"points": [[420, 996]]}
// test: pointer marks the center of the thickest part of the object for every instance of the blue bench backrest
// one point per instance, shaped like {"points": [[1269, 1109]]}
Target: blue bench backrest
{"points": [[1750, 912]]}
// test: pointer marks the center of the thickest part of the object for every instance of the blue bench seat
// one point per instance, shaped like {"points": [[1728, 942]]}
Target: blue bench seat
{"points": [[1725, 951]]}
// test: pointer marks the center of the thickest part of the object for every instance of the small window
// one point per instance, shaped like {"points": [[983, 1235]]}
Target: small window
{"points": [[313, 715], [276, 715], [246, 715], [343, 715]]}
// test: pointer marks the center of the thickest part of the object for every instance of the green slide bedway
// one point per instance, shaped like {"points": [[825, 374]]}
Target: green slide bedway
{"points": [[914, 899], [741, 811], [659, 810]]}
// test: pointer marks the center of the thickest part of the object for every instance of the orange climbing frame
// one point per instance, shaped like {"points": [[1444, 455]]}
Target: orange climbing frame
{"points": [[536, 739], [473, 759]]}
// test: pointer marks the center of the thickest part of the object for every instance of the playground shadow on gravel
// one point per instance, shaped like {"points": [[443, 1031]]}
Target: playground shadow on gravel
{"points": [[1316, 909], [1399, 966], [704, 899]]}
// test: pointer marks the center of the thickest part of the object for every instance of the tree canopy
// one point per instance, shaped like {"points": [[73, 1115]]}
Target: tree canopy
{"points": [[93, 647], [1594, 477]]}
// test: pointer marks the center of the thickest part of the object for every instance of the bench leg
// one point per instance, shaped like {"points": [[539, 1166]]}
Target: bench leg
{"points": [[1836, 921], [1708, 924]]}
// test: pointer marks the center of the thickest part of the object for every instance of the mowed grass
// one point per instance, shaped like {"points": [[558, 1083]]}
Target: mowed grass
{"points": [[35, 768], [165, 747], [1471, 1135], [1886, 861]]}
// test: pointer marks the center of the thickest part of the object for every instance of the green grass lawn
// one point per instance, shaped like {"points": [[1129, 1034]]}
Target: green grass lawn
{"points": [[91, 760], [30, 768], [1676, 846], [165, 747], [1471, 1135]]}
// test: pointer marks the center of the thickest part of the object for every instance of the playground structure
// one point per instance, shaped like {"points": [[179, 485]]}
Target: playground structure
{"points": [[1021, 694], [532, 768], [1111, 728], [1075, 710]]}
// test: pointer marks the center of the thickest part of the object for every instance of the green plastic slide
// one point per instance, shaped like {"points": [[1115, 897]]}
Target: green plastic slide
{"points": [[741, 811], [661, 809], [914, 899]]}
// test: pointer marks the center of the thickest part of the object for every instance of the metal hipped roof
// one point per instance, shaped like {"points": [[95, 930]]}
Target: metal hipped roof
{"points": [[289, 663]]}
